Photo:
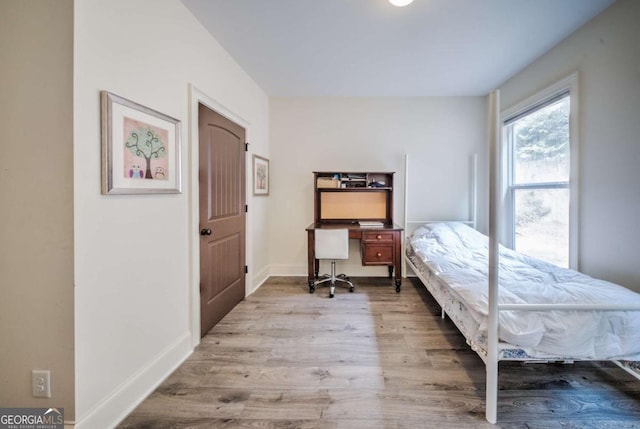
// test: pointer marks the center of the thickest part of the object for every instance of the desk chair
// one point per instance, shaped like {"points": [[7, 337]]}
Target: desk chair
{"points": [[332, 244]]}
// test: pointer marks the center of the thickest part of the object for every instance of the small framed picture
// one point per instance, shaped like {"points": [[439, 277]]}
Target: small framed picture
{"points": [[140, 148], [260, 175]]}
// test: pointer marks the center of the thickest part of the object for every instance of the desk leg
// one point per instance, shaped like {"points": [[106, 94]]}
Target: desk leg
{"points": [[397, 244], [390, 271], [312, 262]]}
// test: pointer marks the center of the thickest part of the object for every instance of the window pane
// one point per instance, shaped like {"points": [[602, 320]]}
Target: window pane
{"points": [[542, 224], [541, 145]]}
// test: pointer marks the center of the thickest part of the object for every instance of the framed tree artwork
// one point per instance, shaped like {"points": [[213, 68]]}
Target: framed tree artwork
{"points": [[260, 175], [140, 148]]}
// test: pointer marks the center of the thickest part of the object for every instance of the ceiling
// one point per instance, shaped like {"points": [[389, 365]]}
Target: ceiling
{"points": [[371, 48]]}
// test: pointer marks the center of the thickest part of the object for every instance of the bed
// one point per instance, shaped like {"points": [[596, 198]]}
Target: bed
{"points": [[504, 324], [452, 257], [546, 313]]}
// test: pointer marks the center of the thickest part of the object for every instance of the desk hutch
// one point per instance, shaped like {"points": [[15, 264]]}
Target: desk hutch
{"points": [[361, 202]]}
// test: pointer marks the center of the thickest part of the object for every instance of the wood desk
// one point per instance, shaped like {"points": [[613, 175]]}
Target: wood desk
{"points": [[378, 246]]}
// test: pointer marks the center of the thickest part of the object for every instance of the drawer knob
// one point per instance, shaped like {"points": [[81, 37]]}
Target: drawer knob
{"points": [[378, 237], [378, 254]]}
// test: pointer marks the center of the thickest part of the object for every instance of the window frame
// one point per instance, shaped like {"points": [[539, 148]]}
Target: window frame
{"points": [[568, 85]]}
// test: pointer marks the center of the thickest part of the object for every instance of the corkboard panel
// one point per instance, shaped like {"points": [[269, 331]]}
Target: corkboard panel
{"points": [[353, 205]]}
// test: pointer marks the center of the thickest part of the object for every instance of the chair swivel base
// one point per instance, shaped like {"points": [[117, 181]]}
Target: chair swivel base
{"points": [[333, 280], [333, 284]]}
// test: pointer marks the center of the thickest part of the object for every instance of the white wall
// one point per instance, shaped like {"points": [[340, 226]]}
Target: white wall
{"points": [[36, 198], [369, 134], [606, 54], [132, 264]]}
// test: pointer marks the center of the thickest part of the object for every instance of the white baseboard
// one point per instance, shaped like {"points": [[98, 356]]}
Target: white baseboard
{"points": [[258, 279], [287, 270], [348, 269], [119, 403]]}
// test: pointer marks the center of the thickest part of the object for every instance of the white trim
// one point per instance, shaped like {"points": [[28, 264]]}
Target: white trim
{"points": [[569, 83], [197, 96], [354, 270], [114, 407], [282, 270], [258, 280], [574, 174]]}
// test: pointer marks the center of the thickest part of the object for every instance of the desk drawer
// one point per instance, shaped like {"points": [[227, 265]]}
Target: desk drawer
{"points": [[377, 236], [377, 254]]}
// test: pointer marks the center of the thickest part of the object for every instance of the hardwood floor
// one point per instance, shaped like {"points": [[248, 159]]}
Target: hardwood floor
{"points": [[284, 358]]}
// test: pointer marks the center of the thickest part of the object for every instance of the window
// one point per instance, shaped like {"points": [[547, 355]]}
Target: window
{"points": [[539, 179]]}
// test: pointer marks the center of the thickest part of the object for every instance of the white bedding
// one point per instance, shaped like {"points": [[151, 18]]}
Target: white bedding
{"points": [[457, 254]]}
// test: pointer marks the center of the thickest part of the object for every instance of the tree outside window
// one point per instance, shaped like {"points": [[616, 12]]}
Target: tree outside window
{"points": [[539, 181]]}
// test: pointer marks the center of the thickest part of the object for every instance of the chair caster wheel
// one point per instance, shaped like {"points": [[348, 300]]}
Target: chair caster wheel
{"points": [[331, 295], [351, 289]]}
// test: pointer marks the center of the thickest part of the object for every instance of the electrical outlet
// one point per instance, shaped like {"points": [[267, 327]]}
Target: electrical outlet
{"points": [[41, 383]]}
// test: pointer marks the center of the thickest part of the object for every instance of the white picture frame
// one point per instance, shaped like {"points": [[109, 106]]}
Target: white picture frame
{"points": [[141, 148]]}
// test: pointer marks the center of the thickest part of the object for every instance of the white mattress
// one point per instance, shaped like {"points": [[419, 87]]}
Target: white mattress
{"points": [[457, 256]]}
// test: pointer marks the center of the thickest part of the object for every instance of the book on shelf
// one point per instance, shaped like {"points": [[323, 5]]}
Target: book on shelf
{"points": [[370, 224]]}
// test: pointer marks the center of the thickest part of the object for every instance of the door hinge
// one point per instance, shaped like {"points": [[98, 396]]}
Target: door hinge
{"points": [[246, 208], [246, 147], [246, 269]]}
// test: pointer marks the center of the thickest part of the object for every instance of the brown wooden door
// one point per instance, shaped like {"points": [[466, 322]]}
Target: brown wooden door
{"points": [[222, 216]]}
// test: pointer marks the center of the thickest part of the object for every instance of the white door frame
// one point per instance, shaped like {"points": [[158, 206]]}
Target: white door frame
{"points": [[196, 97]]}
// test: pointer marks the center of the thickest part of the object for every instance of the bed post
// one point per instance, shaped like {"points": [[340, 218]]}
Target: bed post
{"points": [[474, 191], [491, 410], [406, 208]]}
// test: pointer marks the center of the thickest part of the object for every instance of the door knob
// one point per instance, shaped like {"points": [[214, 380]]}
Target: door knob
{"points": [[205, 231]]}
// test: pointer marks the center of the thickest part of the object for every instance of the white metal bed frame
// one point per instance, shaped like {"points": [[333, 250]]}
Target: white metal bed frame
{"points": [[492, 359]]}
